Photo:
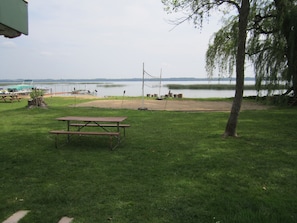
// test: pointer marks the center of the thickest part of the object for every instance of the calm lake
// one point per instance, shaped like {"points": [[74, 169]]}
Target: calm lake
{"points": [[135, 88]]}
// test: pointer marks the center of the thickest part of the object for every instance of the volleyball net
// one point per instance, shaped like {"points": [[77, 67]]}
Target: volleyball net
{"points": [[151, 84]]}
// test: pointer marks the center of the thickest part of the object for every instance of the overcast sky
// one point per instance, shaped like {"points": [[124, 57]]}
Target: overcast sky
{"points": [[104, 39]]}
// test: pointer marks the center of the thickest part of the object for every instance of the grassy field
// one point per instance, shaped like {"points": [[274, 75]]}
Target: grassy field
{"points": [[173, 167]]}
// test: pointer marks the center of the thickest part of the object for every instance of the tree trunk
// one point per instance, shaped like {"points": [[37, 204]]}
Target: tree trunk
{"points": [[37, 102], [240, 61]]}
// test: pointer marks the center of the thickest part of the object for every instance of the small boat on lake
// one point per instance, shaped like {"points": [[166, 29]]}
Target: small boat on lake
{"points": [[24, 88]]}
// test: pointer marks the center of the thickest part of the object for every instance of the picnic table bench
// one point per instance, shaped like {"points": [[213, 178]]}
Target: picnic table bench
{"points": [[103, 125], [110, 134]]}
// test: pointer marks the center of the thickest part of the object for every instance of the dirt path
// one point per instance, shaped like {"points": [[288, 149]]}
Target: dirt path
{"points": [[170, 105]]}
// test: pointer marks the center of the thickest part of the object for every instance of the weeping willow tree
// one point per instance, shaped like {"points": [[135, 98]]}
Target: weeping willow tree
{"points": [[263, 31], [271, 45], [196, 11], [265, 50]]}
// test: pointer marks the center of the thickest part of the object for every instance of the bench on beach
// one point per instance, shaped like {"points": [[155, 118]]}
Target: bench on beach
{"points": [[81, 125], [110, 134]]}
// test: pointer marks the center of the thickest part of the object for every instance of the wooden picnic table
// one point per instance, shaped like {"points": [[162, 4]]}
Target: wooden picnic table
{"points": [[103, 124], [9, 97]]}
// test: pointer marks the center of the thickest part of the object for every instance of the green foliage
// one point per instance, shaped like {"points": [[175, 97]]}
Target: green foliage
{"points": [[271, 44], [278, 100], [221, 52], [35, 93], [267, 47], [173, 167]]}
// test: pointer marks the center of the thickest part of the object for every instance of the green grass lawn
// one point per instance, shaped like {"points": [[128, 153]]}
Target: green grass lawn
{"points": [[173, 167]]}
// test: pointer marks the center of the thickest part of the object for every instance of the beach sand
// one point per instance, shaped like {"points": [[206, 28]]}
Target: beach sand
{"points": [[170, 105]]}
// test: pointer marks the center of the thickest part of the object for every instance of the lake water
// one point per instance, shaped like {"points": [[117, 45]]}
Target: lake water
{"points": [[134, 88]]}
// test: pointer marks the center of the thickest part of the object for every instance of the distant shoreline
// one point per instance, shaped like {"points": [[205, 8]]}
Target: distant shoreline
{"points": [[100, 80]]}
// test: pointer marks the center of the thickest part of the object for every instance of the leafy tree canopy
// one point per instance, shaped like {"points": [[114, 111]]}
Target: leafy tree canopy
{"points": [[271, 44]]}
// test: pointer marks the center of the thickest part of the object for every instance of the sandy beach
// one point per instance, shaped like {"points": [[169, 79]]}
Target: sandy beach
{"points": [[170, 105]]}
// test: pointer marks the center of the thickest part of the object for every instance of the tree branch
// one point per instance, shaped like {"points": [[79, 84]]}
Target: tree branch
{"points": [[232, 3]]}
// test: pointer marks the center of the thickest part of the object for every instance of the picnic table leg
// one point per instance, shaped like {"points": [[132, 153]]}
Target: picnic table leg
{"points": [[117, 143], [68, 128], [110, 138], [56, 141], [118, 126]]}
